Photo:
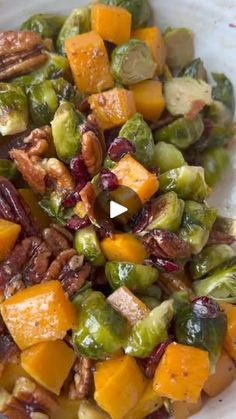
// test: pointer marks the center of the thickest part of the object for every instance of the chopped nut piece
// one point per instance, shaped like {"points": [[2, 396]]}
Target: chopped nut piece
{"points": [[83, 378], [88, 197], [59, 174], [57, 239]]}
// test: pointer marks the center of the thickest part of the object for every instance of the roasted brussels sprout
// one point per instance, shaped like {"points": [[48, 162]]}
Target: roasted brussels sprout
{"points": [[196, 70], [52, 205], [46, 25], [214, 161], [180, 47], [149, 332], [220, 285], [210, 258], [139, 133], [132, 62], [223, 91], [43, 103], [86, 243], [221, 135], [66, 91], [167, 157], [181, 133], [167, 212], [151, 296], [139, 9], [150, 302], [66, 131], [8, 169], [100, 330], [197, 222], [187, 181], [133, 276], [219, 114], [186, 96], [13, 109], [203, 325], [77, 22]]}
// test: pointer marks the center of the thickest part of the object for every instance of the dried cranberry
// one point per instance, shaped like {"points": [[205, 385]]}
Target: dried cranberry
{"points": [[71, 200], [79, 171], [108, 180], [111, 135], [119, 147], [143, 218], [150, 363], [163, 264], [206, 307], [161, 413], [76, 223]]}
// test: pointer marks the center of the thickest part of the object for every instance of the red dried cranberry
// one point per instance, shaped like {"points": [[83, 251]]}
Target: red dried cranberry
{"points": [[143, 218], [150, 363], [79, 171], [108, 180], [76, 223], [161, 413], [206, 307], [71, 199], [111, 135], [119, 147], [163, 264]]}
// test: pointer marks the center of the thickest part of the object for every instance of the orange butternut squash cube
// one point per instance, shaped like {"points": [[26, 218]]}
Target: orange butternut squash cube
{"points": [[123, 247], [119, 384], [128, 305], [49, 363], [149, 99], [9, 233], [182, 372], [153, 38], [39, 313], [38, 213], [223, 376], [148, 403], [112, 23], [132, 174], [230, 337], [89, 62], [113, 108]]}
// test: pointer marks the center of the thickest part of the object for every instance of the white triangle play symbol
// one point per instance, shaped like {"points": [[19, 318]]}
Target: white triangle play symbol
{"points": [[116, 209]]}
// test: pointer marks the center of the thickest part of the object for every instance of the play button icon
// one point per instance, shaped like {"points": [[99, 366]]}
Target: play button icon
{"points": [[116, 209]]}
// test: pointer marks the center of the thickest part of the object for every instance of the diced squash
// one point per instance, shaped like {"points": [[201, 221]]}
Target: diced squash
{"points": [[112, 23], [128, 305], [149, 99], [230, 337], [133, 175], [12, 371], [148, 403], [182, 372], [113, 108], [39, 313], [153, 38], [123, 247], [49, 363], [182, 410], [118, 390], [223, 376], [38, 213], [89, 62], [67, 409], [9, 233]]}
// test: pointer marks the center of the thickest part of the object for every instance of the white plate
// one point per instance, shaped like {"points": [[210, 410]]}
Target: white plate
{"points": [[213, 23]]}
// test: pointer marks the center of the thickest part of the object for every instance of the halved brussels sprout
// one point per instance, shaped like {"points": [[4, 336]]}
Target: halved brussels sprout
{"points": [[76, 23], [221, 135], [100, 330], [180, 47], [210, 258], [167, 157], [149, 332], [139, 133], [140, 10], [132, 62], [223, 91], [197, 222], [66, 131], [133, 276], [214, 161], [181, 133], [150, 302], [183, 94], [43, 103], [66, 91], [86, 243], [13, 109], [8, 169], [46, 25], [219, 114], [195, 69], [167, 212], [187, 181], [221, 285]]}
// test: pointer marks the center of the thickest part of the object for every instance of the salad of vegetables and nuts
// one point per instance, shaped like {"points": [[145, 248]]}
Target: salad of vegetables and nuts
{"points": [[129, 317]]}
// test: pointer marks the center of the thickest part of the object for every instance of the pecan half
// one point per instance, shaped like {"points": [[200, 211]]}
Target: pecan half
{"points": [[92, 152], [20, 53], [57, 239], [88, 197], [167, 245], [83, 379], [219, 237]]}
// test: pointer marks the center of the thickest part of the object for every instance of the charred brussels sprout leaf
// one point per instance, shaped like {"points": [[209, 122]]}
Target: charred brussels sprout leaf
{"points": [[224, 91], [52, 205], [132, 62], [139, 9], [13, 109], [210, 258], [8, 169], [43, 103], [180, 47], [197, 222], [76, 23], [214, 161], [151, 296], [181, 133], [46, 25], [167, 157], [149, 332], [133, 276], [100, 330], [195, 69], [86, 243], [139, 133], [66, 131], [167, 212], [66, 91], [187, 181]]}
